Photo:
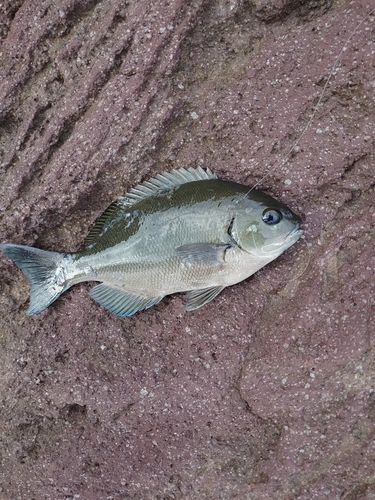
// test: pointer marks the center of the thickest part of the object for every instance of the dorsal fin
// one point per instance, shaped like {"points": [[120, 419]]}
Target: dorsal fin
{"points": [[160, 182], [99, 225], [166, 180]]}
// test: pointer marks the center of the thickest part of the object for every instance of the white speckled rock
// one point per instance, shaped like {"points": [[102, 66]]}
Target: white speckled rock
{"points": [[263, 393]]}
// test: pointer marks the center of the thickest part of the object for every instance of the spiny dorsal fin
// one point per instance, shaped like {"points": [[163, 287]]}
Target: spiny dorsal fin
{"points": [[160, 182], [99, 225], [166, 180]]}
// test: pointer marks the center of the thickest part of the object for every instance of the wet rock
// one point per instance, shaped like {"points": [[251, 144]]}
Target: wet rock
{"points": [[264, 390]]}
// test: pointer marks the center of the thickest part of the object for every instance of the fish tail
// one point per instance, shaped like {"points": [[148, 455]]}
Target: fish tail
{"points": [[43, 269]]}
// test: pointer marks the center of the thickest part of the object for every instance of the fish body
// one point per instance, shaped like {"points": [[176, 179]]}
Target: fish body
{"points": [[182, 231]]}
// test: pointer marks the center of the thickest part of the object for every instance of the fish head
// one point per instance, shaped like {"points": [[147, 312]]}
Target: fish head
{"points": [[263, 226]]}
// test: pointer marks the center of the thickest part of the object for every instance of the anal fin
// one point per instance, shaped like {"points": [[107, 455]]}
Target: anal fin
{"points": [[121, 302], [197, 298]]}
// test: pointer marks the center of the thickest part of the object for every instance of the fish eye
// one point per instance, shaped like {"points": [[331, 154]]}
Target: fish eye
{"points": [[271, 216]]}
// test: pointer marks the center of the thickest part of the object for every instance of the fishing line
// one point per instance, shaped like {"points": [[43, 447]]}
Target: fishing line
{"points": [[309, 254], [262, 272], [334, 67], [315, 109]]}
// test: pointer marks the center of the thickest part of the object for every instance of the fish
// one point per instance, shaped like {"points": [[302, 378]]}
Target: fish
{"points": [[180, 231]]}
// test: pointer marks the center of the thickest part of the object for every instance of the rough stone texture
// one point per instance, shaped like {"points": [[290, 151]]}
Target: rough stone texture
{"points": [[267, 392]]}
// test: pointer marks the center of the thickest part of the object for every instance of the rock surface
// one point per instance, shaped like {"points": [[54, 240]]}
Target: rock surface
{"points": [[268, 391]]}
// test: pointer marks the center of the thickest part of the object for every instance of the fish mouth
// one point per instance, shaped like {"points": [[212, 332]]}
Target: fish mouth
{"points": [[295, 234], [276, 248], [292, 237]]}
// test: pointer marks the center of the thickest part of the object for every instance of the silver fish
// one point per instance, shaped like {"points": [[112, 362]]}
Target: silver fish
{"points": [[182, 231]]}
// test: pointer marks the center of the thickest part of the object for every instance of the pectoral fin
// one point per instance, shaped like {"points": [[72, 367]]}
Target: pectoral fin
{"points": [[197, 298], [208, 254], [121, 302]]}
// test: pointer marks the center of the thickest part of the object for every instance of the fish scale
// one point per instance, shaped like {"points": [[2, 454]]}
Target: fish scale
{"points": [[182, 231]]}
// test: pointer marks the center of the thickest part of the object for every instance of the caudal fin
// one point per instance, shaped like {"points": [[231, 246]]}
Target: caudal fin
{"points": [[43, 269]]}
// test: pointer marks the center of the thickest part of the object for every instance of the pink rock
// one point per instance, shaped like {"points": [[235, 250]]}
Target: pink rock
{"points": [[267, 392]]}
